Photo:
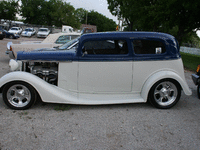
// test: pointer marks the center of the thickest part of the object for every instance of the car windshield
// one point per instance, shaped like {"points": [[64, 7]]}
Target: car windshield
{"points": [[28, 29], [43, 30], [65, 39], [14, 29], [69, 44]]}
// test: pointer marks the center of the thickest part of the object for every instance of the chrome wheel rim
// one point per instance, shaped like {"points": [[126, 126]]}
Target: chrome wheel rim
{"points": [[165, 93], [19, 95]]}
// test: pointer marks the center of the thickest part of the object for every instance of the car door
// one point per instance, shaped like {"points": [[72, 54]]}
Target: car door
{"points": [[105, 67]]}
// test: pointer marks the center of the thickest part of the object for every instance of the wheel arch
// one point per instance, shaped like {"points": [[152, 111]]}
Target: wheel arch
{"points": [[46, 91], [16, 81], [164, 75], [19, 76]]}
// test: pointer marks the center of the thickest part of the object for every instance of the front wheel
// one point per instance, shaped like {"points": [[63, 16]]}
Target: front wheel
{"points": [[19, 95], [165, 93], [198, 90]]}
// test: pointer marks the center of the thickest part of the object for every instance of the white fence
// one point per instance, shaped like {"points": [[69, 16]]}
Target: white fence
{"points": [[190, 50]]}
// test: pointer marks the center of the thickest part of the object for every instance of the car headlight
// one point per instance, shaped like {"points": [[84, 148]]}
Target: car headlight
{"points": [[14, 65]]}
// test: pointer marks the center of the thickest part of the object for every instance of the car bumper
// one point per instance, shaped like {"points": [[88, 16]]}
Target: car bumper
{"points": [[7, 52], [16, 36], [196, 79], [26, 35], [10, 53], [41, 35]]}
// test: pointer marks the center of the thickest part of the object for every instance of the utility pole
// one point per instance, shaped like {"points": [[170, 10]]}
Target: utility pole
{"points": [[86, 17]]}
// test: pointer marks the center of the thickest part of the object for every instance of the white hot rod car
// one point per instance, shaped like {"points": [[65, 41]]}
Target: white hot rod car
{"points": [[101, 68]]}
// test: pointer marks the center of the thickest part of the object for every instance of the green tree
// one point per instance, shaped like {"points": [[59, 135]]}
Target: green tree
{"points": [[51, 12], [62, 13], [80, 15], [102, 22], [31, 10], [177, 17], [8, 9]]}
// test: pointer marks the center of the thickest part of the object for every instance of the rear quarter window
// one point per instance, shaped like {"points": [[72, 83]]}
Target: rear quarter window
{"points": [[148, 47]]}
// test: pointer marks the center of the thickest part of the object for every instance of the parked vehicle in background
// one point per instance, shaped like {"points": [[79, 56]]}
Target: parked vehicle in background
{"points": [[67, 29], [196, 80], [16, 30], [67, 46], [28, 32], [2, 35], [87, 30], [43, 32], [53, 40], [10, 35], [104, 68]]}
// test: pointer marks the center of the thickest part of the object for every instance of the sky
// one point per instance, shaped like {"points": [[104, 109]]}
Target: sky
{"points": [[101, 6]]}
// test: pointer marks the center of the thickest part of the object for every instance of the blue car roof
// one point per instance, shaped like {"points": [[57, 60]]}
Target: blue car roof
{"points": [[130, 35]]}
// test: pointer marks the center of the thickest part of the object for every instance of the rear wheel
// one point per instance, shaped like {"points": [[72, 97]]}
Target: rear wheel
{"points": [[198, 90], [19, 95], [165, 93]]}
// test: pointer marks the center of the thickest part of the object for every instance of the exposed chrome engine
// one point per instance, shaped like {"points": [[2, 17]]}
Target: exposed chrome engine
{"points": [[47, 71]]}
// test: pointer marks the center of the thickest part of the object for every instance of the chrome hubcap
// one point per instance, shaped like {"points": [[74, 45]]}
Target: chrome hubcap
{"points": [[165, 93], [18, 95]]}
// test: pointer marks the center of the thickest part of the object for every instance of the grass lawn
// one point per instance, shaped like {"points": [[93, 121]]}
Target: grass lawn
{"points": [[190, 61]]}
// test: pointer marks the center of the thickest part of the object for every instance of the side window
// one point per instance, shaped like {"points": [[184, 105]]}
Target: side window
{"points": [[105, 47], [148, 47]]}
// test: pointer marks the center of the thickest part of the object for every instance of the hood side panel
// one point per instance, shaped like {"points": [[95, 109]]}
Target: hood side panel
{"points": [[46, 55]]}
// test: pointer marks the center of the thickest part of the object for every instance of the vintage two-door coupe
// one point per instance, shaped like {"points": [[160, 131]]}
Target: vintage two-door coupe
{"points": [[102, 68]]}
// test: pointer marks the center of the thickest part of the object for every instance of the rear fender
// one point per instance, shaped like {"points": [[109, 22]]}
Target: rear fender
{"points": [[164, 75]]}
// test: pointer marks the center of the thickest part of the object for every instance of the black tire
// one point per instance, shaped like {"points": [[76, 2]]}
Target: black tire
{"points": [[1, 38], [19, 95], [11, 36], [165, 94], [198, 90]]}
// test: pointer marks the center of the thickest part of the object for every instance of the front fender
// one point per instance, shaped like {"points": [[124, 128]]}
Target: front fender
{"points": [[20, 76], [47, 92], [164, 75]]}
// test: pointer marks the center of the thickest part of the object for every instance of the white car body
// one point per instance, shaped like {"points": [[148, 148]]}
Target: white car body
{"points": [[15, 30], [28, 32], [105, 88], [93, 73], [52, 40], [43, 32]]}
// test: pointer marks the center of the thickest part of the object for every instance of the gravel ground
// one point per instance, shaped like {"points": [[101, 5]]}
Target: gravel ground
{"points": [[107, 127]]}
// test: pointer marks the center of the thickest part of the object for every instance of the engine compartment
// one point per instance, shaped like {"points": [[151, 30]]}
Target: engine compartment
{"points": [[47, 71]]}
